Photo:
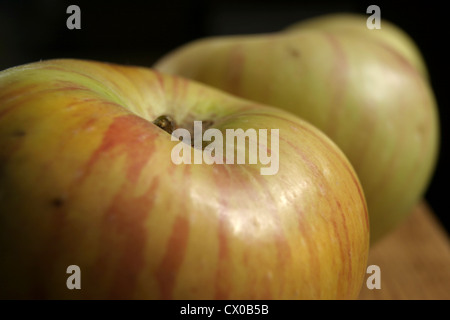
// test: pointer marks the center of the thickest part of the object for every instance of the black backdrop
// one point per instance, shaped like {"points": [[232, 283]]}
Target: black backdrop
{"points": [[139, 32]]}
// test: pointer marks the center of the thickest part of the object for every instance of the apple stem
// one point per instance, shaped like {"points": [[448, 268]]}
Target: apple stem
{"points": [[166, 123], [169, 125]]}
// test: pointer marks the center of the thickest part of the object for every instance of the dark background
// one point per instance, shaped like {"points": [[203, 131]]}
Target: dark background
{"points": [[139, 32]]}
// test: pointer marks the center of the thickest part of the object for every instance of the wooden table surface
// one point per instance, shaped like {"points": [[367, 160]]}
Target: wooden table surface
{"points": [[414, 260]]}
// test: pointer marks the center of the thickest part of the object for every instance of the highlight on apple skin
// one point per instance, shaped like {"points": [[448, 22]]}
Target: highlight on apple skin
{"points": [[86, 180], [369, 93]]}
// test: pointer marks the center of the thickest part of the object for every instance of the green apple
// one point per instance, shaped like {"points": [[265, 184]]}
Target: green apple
{"points": [[390, 35], [88, 183], [375, 105]]}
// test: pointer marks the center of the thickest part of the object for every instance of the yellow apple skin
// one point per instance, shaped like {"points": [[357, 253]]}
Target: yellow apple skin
{"points": [[389, 34], [87, 179], [366, 97]]}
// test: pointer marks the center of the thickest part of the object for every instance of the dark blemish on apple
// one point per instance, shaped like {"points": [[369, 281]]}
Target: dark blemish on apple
{"points": [[57, 202], [19, 133], [294, 52]]}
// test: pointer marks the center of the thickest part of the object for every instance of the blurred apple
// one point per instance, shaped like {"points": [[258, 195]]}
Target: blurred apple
{"points": [[87, 180], [390, 35], [370, 99]]}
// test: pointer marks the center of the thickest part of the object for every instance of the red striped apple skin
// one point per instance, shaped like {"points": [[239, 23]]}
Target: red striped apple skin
{"points": [[374, 102], [87, 179]]}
